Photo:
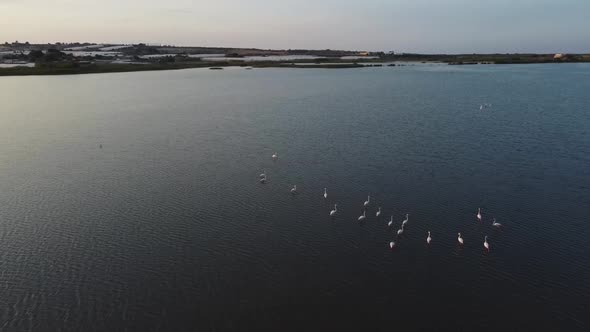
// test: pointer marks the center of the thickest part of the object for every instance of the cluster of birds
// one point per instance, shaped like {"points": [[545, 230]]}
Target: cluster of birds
{"points": [[263, 174], [481, 107], [400, 231]]}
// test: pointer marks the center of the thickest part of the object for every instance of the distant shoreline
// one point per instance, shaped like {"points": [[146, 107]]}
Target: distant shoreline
{"points": [[74, 68], [89, 58]]}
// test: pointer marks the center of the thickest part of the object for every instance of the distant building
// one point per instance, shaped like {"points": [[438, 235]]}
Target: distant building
{"points": [[363, 53], [558, 56]]}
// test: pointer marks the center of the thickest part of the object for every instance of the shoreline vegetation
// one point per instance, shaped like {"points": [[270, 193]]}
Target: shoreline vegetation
{"points": [[72, 69], [69, 59]]}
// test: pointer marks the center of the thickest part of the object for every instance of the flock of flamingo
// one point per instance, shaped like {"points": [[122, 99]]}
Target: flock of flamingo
{"points": [[400, 231]]}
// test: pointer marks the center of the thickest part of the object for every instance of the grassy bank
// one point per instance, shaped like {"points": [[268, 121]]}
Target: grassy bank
{"points": [[71, 69], [306, 65], [486, 58]]}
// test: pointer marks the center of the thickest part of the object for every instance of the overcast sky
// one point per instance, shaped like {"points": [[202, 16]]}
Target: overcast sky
{"points": [[426, 26]]}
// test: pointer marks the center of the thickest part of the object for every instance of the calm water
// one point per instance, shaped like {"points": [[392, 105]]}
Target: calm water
{"points": [[167, 228]]}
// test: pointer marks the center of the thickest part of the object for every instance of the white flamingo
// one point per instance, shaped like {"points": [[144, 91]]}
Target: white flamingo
{"points": [[294, 189], [390, 221], [368, 201], [263, 180], [460, 239], [325, 193], [263, 174], [392, 244], [333, 212], [401, 230], [362, 217], [486, 244], [428, 239], [479, 214], [405, 220], [495, 223], [275, 156], [378, 212]]}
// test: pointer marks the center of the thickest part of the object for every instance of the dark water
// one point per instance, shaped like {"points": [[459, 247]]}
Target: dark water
{"points": [[167, 228]]}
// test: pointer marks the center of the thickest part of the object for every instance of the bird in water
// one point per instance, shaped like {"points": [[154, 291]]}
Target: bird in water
{"points": [[428, 239], [263, 180], [363, 216], [401, 230], [495, 223], [325, 193], [460, 239], [405, 220], [367, 201], [263, 174], [390, 221], [378, 212], [391, 244], [485, 243], [479, 214], [275, 156], [333, 212], [294, 189]]}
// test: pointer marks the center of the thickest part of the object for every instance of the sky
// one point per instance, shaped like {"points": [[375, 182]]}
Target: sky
{"points": [[422, 26]]}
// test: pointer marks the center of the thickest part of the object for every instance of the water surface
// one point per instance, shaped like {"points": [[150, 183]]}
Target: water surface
{"points": [[131, 200]]}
